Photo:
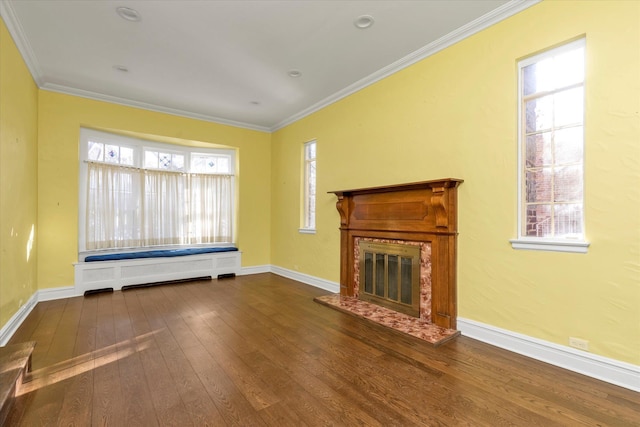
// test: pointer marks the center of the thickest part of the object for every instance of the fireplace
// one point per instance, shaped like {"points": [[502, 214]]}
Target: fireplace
{"points": [[395, 236]]}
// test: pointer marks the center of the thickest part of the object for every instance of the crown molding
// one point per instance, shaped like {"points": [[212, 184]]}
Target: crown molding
{"points": [[146, 106], [22, 43], [505, 11]]}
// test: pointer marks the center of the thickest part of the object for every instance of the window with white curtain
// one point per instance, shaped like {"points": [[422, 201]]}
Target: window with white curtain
{"points": [[138, 194]]}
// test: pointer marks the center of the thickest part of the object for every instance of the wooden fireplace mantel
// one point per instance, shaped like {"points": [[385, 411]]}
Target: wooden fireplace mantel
{"points": [[420, 212]]}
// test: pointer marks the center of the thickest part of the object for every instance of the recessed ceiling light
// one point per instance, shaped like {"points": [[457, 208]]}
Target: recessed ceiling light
{"points": [[294, 73], [121, 68], [363, 21], [128, 13]]}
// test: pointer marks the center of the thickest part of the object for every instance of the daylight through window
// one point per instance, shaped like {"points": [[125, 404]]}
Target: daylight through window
{"points": [[309, 185], [136, 193], [552, 144]]}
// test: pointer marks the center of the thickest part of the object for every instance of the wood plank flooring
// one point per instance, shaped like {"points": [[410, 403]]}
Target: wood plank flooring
{"points": [[257, 351]]}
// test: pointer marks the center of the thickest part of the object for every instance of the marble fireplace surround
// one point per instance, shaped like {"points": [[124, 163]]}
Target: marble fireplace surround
{"points": [[422, 213], [425, 272]]}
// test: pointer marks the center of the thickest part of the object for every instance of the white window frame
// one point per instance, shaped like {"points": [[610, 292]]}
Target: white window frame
{"points": [[555, 244], [139, 146], [308, 221]]}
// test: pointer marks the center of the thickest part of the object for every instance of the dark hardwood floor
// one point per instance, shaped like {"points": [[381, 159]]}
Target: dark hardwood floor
{"points": [[257, 351]]}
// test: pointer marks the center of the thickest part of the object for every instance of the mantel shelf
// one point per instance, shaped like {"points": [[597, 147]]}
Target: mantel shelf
{"points": [[446, 182]]}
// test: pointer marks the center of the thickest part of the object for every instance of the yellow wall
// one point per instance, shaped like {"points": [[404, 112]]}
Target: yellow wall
{"points": [[18, 179], [60, 118], [454, 115], [450, 115]]}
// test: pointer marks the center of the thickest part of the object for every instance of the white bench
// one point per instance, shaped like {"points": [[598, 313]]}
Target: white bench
{"points": [[125, 272]]}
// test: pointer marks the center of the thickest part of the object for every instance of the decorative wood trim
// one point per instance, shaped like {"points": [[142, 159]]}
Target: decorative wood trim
{"points": [[343, 210], [418, 211]]}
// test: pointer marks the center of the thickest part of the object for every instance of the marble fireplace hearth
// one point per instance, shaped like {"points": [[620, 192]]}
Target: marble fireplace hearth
{"points": [[413, 326]]}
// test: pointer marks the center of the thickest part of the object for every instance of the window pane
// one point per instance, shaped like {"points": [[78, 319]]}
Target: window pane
{"points": [[178, 162], [538, 77], [112, 154], [126, 156], [569, 146], [539, 150], [538, 185], [569, 68], [223, 165], [529, 81], [164, 161], [538, 221], [311, 151], [568, 220], [151, 159], [555, 72], [96, 151], [197, 163], [568, 184], [539, 114], [569, 108]]}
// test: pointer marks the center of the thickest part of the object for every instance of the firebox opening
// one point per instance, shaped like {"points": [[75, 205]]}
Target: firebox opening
{"points": [[390, 276]]}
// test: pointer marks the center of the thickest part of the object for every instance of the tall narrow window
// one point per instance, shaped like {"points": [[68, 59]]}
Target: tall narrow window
{"points": [[309, 197], [551, 150]]}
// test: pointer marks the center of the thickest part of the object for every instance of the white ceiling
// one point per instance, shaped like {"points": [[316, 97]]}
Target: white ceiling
{"points": [[228, 61]]}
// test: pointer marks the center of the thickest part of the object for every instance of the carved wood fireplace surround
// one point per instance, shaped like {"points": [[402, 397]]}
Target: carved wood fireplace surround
{"points": [[419, 212]]}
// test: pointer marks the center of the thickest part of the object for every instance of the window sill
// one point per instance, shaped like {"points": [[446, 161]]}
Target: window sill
{"points": [[579, 247], [307, 230]]}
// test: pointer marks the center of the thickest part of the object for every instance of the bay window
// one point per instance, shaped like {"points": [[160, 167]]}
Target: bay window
{"points": [[139, 194]]}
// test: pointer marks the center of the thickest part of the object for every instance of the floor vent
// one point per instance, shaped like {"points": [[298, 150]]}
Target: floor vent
{"points": [[97, 291], [168, 282]]}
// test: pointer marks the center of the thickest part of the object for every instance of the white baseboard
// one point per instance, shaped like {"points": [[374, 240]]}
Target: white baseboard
{"points": [[305, 278], [16, 320], [609, 370], [256, 269], [51, 294]]}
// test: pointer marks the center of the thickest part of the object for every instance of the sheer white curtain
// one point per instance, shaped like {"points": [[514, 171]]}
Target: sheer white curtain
{"points": [[210, 208], [129, 207], [112, 215], [164, 211]]}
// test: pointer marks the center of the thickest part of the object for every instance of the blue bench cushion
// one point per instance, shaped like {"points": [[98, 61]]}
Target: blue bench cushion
{"points": [[157, 254]]}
